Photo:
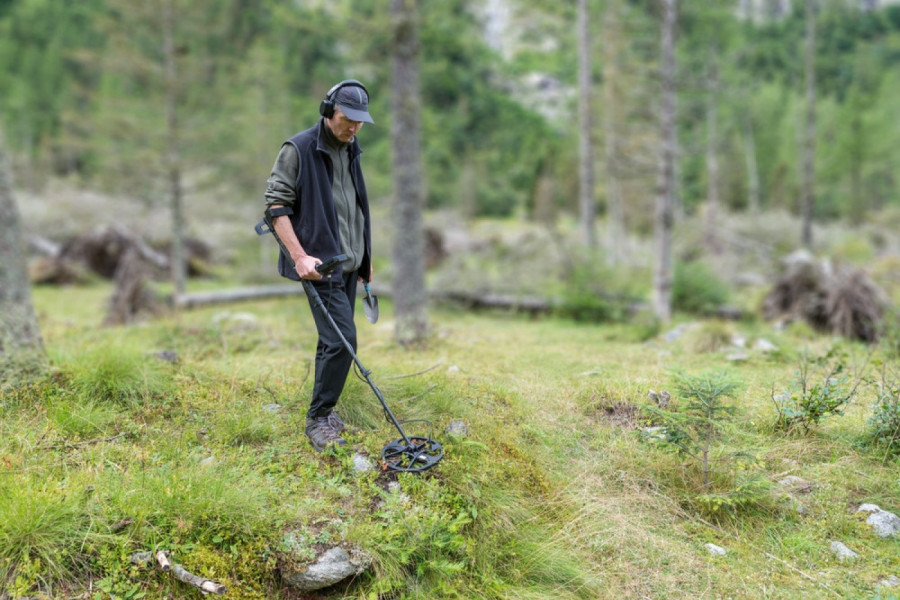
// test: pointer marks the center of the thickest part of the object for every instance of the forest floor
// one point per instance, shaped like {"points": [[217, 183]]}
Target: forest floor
{"points": [[187, 427], [557, 491]]}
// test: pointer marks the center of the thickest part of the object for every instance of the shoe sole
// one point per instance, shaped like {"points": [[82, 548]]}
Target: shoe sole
{"points": [[320, 449]]}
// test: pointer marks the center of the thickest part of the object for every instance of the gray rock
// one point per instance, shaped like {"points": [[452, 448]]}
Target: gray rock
{"points": [[764, 345], [330, 567], [674, 334], [272, 408], [892, 581], [842, 552], [883, 522], [716, 550], [361, 463], [457, 428], [796, 485]]}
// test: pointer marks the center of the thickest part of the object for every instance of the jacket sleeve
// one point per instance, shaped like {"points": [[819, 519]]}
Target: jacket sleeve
{"points": [[280, 186]]}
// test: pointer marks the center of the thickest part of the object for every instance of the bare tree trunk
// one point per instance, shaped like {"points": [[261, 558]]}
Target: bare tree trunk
{"points": [[586, 167], [409, 255], [21, 347], [809, 146], [173, 159], [662, 282], [713, 201], [615, 208], [858, 207], [752, 168]]}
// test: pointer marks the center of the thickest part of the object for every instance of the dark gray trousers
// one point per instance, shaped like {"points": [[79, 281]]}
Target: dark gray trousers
{"points": [[333, 360]]}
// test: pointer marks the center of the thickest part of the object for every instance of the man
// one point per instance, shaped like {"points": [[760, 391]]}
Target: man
{"points": [[317, 198]]}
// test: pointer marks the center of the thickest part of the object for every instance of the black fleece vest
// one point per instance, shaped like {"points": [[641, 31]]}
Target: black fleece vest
{"points": [[315, 219]]}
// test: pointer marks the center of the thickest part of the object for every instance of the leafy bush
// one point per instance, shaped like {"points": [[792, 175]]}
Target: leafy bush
{"points": [[696, 289], [884, 424], [596, 292], [822, 388]]}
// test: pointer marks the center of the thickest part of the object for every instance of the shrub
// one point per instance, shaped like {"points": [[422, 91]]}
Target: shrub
{"points": [[696, 289], [597, 292], [822, 388], [884, 424]]}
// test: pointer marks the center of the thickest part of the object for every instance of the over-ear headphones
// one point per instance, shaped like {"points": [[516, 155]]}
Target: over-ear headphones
{"points": [[326, 108]]}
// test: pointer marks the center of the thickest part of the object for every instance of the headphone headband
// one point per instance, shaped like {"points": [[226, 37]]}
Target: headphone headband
{"points": [[326, 108]]}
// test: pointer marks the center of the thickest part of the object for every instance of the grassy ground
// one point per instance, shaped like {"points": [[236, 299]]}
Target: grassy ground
{"points": [[555, 493]]}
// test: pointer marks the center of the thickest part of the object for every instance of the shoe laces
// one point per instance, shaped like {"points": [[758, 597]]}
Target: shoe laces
{"points": [[334, 421]]}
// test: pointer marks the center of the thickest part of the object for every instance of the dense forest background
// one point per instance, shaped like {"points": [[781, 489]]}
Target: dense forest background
{"points": [[84, 83]]}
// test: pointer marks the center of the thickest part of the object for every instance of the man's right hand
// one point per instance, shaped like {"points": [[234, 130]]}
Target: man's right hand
{"points": [[306, 267]]}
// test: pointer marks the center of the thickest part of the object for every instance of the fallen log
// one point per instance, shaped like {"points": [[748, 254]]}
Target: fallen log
{"points": [[526, 304], [263, 292]]}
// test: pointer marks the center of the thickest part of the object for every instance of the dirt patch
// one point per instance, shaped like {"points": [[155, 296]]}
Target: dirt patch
{"points": [[615, 413]]}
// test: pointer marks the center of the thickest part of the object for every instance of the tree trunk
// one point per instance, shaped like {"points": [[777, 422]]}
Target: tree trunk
{"points": [[662, 281], [21, 347], [411, 319], [615, 209], [586, 155], [809, 145], [752, 168], [712, 153], [173, 159]]}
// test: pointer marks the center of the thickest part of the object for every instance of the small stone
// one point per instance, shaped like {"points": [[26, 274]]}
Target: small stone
{"points": [[272, 408], [842, 552], [716, 550], [457, 428], [169, 356], [797, 485], [764, 345], [361, 463], [892, 581]]}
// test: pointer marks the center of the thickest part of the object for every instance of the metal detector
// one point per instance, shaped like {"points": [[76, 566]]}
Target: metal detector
{"points": [[412, 454]]}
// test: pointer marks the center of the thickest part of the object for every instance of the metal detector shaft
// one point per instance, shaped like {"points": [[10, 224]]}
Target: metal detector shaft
{"points": [[311, 292], [317, 301]]}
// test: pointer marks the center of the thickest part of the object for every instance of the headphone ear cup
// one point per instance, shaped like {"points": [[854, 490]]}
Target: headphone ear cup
{"points": [[326, 109]]}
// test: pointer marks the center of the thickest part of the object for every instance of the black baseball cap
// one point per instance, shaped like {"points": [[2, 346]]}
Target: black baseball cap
{"points": [[354, 102]]}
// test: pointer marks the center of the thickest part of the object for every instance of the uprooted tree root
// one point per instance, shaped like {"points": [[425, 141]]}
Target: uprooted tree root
{"points": [[839, 299]]}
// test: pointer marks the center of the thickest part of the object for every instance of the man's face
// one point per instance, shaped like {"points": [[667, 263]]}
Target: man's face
{"points": [[343, 128]]}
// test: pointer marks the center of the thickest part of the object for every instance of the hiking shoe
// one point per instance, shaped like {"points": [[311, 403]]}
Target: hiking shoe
{"points": [[335, 421], [321, 433]]}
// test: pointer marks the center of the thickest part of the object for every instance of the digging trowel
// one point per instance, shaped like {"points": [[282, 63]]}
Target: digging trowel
{"points": [[370, 305]]}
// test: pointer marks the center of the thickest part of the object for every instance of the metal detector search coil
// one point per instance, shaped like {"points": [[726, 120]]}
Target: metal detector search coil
{"points": [[412, 454]]}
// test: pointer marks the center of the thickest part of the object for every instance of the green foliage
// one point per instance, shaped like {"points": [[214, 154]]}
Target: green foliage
{"points": [[120, 375], [729, 480], [597, 292], [884, 424], [822, 387], [43, 524], [696, 289]]}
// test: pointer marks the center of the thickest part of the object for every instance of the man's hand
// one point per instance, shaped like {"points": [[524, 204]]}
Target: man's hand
{"points": [[306, 267]]}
